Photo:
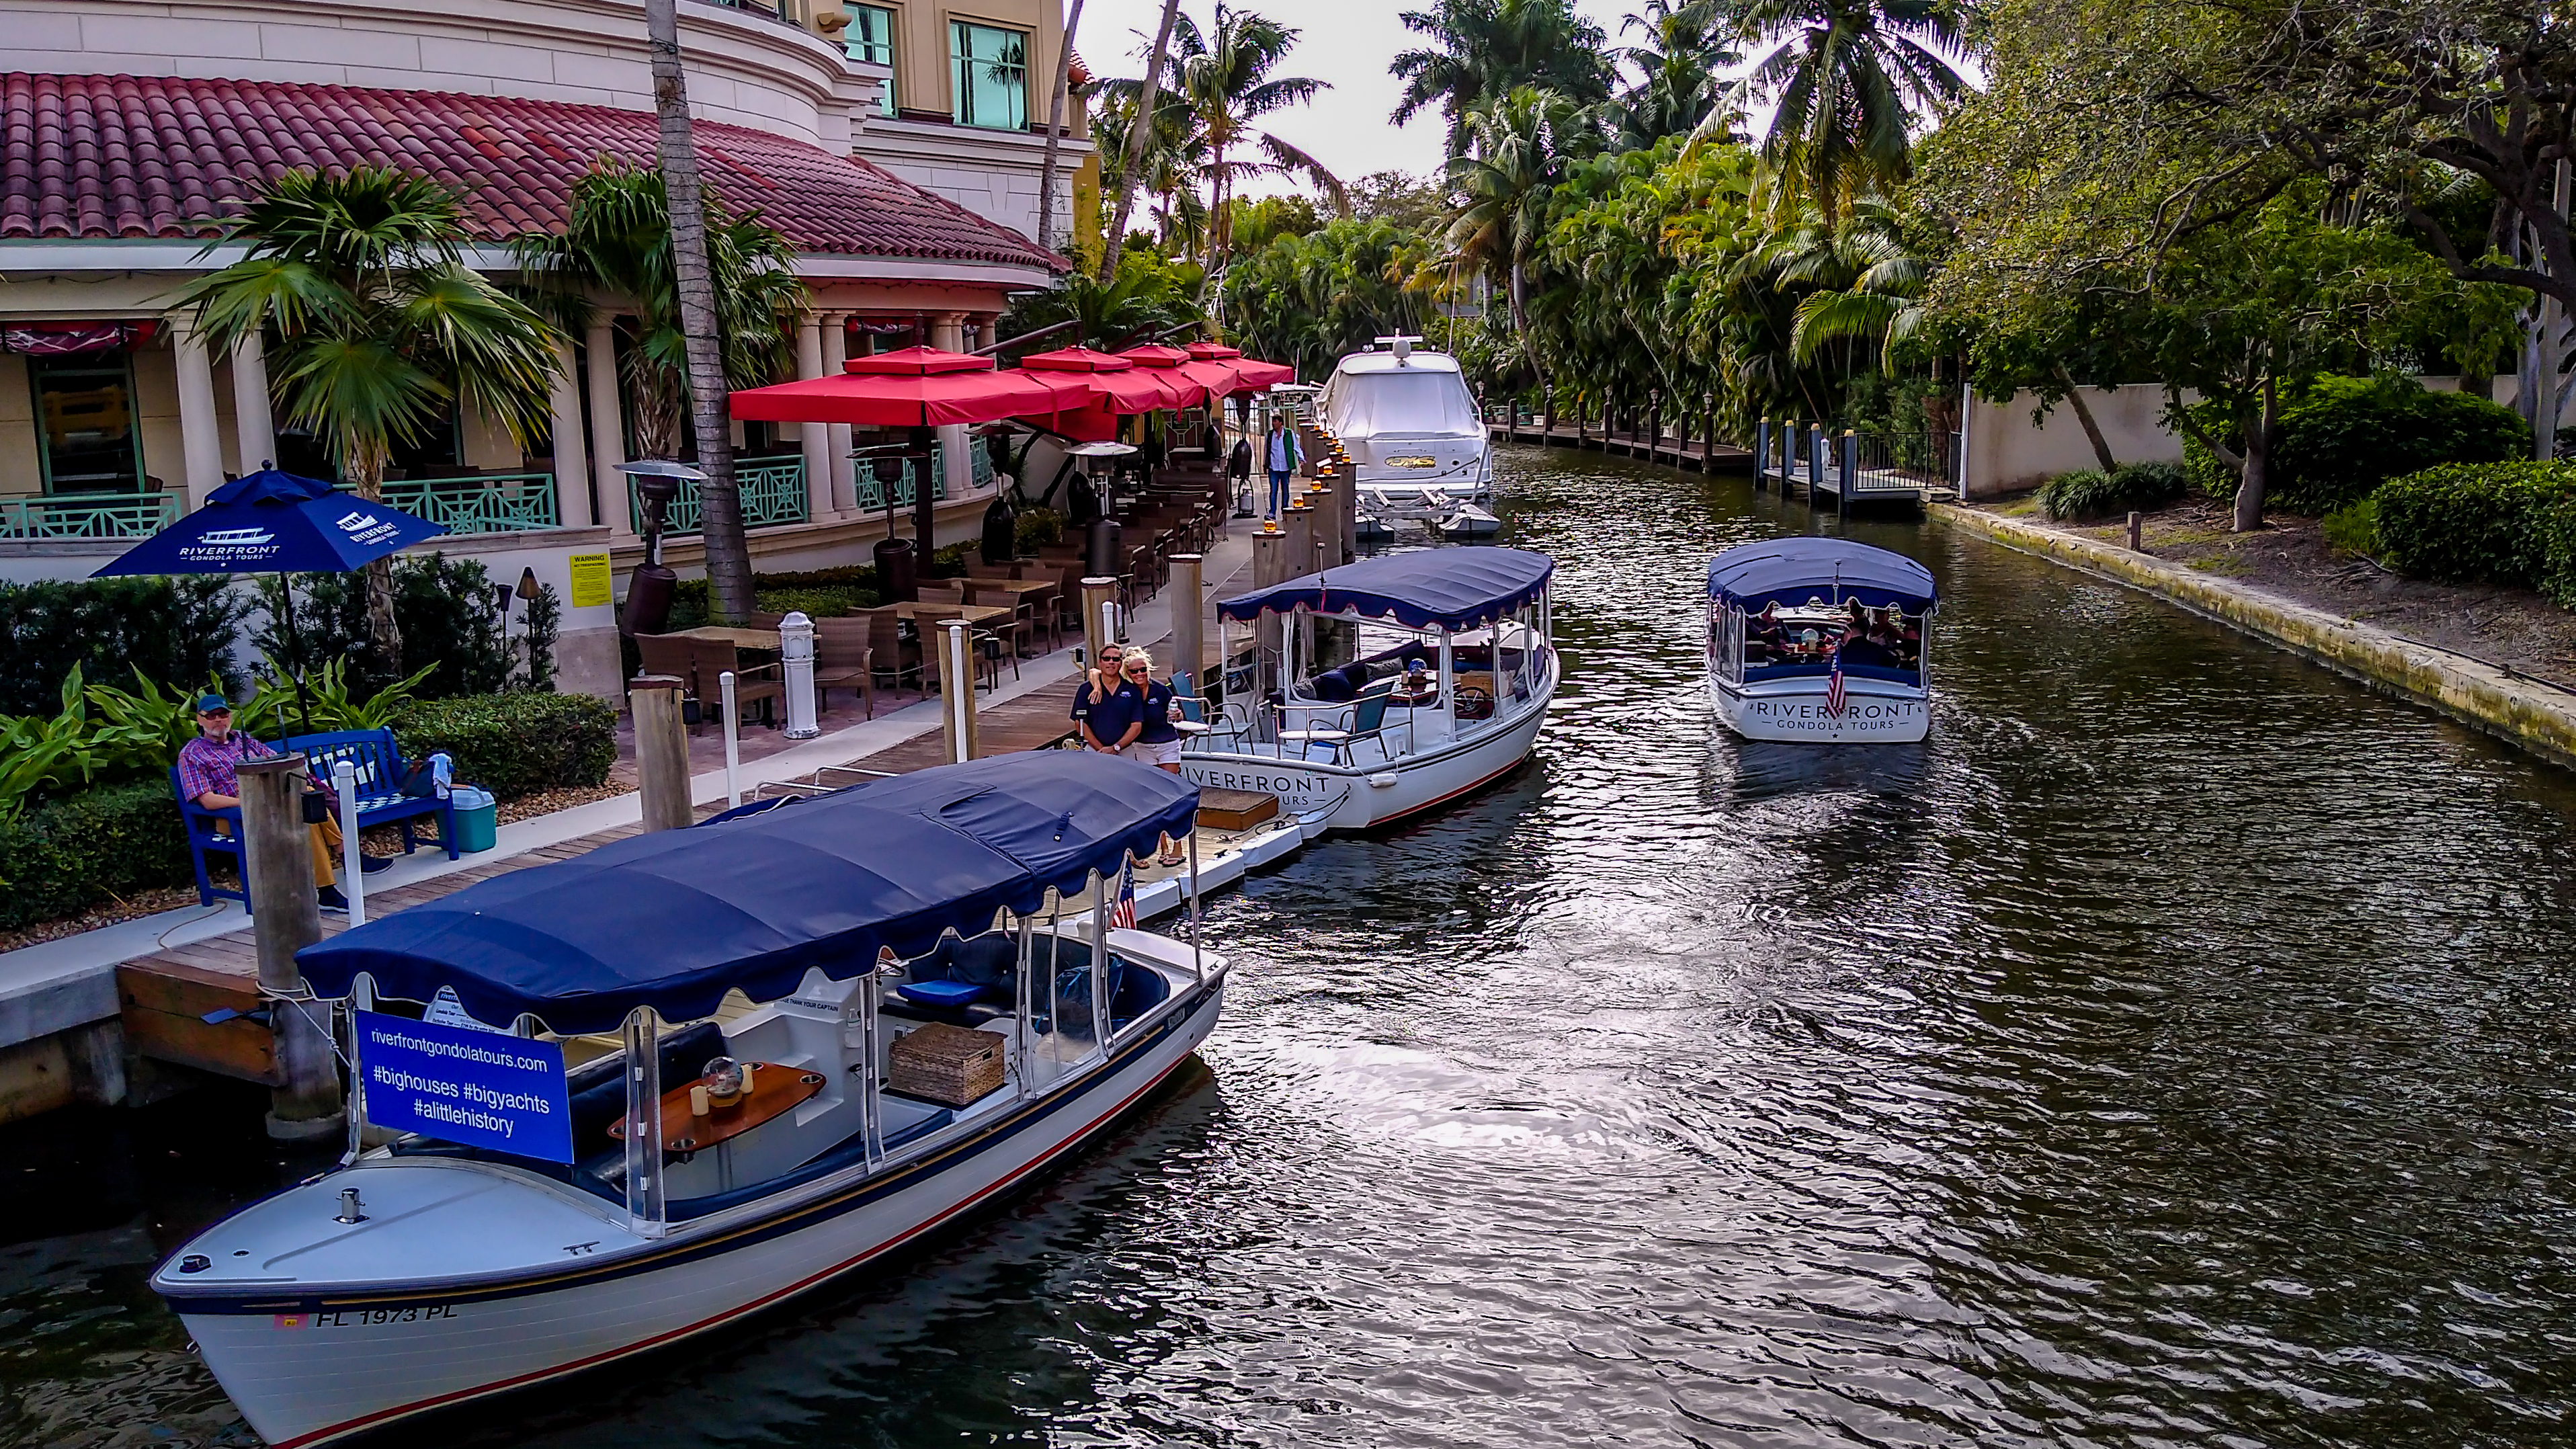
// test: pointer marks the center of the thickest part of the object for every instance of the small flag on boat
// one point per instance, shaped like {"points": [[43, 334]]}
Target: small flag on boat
{"points": [[1122, 915], [1834, 685]]}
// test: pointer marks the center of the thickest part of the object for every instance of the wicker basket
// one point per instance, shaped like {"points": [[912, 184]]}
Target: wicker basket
{"points": [[941, 1063]]}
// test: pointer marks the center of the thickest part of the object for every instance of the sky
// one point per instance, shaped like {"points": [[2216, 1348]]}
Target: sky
{"points": [[1346, 43]]}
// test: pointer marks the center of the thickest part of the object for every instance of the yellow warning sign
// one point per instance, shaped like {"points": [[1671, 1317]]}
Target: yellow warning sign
{"points": [[590, 585]]}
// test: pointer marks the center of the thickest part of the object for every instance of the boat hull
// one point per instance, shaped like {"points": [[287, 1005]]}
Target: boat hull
{"points": [[323, 1368], [1338, 798], [1795, 711]]}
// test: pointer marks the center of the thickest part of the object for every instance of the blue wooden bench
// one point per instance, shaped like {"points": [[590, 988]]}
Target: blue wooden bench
{"points": [[200, 824], [380, 776]]}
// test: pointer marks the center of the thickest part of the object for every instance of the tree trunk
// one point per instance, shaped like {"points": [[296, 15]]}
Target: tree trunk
{"points": [[1055, 129], [719, 499], [2084, 415], [1137, 126], [2258, 460], [366, 469]]}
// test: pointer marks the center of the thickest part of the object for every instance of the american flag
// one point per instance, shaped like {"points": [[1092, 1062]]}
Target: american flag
{"points": [[1122, 913], [1834, 685]]}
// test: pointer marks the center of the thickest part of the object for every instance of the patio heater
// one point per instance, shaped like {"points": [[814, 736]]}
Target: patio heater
{"points": [[894, 556], [648, 591]]}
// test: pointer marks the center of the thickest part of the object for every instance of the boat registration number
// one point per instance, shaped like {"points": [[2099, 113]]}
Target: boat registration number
{"points": [[366, 1317]]}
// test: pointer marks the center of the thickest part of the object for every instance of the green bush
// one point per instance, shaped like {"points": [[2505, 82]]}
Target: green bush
{"points": [[59, 858], [817, 603], [2558, 552], [515, 744], [2347, 435], [2354, 528], [838, 590], [2090, 493], [169, 628], [445, 608], [2480, 522], [1038, 528]]}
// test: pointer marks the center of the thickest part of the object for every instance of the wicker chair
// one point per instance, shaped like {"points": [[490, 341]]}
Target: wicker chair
{"points": [[672, 655], [1022, 628], [843, 659], [899, 656], [761, 685]]}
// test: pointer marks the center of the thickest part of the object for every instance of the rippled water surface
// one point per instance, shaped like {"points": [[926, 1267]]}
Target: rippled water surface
{"points": [[2172, 1050]]}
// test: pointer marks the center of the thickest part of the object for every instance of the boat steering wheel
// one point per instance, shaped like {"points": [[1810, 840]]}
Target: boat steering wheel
{"points": [[1475, 702]]}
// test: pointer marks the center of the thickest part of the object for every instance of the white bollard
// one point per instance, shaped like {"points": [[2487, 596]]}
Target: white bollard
{"points": [[733, 742], [344, 782], [796, 652]]}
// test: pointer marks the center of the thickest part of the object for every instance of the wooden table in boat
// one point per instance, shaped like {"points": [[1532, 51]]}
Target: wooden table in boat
{"points": [[971, 613], [774, 1092], [738, 638]]}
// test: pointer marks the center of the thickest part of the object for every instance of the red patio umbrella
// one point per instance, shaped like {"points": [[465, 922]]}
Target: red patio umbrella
{"points": [[1226, 370], [1117, 384], [1166, 363]]}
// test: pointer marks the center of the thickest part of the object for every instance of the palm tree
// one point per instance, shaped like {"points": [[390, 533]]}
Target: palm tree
{"points": [[1483, 50], [1681, 65], [1133, 159], [1055, 127], [617, 240], [1847, 76], [1519, 150], [375, 330], [1223, 83], [1869, 283]]}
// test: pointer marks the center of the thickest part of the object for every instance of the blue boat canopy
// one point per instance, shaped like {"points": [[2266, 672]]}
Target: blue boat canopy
{"points": [[1441, 588], [674, 919], [1836, 570]]}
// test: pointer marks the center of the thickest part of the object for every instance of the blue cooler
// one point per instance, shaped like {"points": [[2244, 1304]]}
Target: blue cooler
{"points": [[476, 817]]}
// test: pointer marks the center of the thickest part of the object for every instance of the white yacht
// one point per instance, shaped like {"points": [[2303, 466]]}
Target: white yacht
{"points": [[1821, 640], [1382, 688], [1416, 437]]}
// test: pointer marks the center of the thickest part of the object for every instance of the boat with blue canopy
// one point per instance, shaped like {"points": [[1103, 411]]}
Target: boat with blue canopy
{"points": [[1370, 692], [1821, 640], [694, 1072]]}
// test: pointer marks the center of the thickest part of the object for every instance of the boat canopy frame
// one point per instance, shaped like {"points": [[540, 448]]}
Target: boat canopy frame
{"points": [[1790, 571]]}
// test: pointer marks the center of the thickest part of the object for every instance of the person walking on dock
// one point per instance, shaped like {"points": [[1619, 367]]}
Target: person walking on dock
{"points": [[1283, 461]]}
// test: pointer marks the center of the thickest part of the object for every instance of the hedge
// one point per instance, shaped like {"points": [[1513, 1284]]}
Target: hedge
{"points": [[60, 858], [2499, 523], [2346, 435], [2091, 493], [170, 628], [515, 744]]}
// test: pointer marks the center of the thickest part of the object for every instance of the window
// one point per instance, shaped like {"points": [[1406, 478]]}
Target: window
{"points": [[85, 424], [871, 38], [991, 76]]}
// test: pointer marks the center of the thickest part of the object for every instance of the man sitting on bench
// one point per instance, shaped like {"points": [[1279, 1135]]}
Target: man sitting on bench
{"points": [[209, 772]]}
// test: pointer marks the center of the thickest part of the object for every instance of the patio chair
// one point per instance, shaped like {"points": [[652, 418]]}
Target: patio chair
{"points": [[761, 684], [889, 653], [1365, 720], [1022, 628], [842, 660], [671, 654]]}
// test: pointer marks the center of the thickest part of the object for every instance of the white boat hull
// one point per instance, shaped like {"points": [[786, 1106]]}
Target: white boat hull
{"points": [[1327, 797], [1874, 711], [311, 1369]]}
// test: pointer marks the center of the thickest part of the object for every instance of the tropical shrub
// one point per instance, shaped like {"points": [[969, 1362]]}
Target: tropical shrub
{"points": [[62, 856], [2347, 435], [1037, 528], [446, 610], [166, 628], [515, 744], [2091, 493], [2481, 522], [2354, 528]]}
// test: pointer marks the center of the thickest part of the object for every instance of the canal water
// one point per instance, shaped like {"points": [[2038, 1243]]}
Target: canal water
{"points": [[2174, 1049]]}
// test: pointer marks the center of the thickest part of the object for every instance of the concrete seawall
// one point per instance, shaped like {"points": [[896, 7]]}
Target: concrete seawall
{"points": [[2507, 705]]}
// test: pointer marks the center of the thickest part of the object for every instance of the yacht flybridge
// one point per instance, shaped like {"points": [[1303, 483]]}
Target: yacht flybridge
{"points": [[1416, 438], [1367, 693], [930, 1029], [1821, 639]]}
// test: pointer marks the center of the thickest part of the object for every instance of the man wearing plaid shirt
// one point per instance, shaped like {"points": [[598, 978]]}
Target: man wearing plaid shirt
{"points": [[209, 768]]}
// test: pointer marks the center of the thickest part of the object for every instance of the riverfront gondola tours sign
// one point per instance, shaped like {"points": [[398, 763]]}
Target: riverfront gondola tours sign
{"points": [[478, 1088]]}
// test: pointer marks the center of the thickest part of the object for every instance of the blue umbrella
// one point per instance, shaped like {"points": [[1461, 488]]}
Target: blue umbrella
{"points": [[273, 522]]}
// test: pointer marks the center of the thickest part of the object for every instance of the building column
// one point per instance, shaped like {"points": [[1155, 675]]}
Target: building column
{"points": [[254, 427], [948, 333], [572, 458], [816, 437], [836, 437], [608, 426], [201, 434]]}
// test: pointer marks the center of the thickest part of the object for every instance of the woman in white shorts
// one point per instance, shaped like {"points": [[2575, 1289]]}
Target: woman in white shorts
{"points": [[1144, 705]]}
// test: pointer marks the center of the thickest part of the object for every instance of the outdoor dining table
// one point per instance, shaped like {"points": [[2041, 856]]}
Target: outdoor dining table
{"points": [[1039, 594], [727, 634], [972, 613]]}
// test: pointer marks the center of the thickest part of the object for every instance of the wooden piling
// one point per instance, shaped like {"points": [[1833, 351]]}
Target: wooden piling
{"points": [[2137, 531], [286, 917], [1189, 620], [1097, 595], [661, 752]]}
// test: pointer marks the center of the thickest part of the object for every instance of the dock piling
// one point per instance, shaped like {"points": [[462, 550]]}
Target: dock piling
{"points": [[1189, 626], [286, 917], [957, 690], [661, 751]]}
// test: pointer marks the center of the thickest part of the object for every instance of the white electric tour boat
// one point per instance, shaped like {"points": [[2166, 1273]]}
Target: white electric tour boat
{"points": [[928, 1032], [1416, 438], [1821, 640], [1379, 689]]}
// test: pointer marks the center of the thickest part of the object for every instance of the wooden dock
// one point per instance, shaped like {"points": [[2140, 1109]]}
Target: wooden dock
{"points": [[1663, 445]]}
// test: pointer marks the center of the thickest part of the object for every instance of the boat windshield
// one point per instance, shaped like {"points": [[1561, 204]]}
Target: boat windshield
{"points": [[1415, 403]]}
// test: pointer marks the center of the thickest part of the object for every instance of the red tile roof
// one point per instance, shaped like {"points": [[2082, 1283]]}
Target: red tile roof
{"points": [[95, 156]]}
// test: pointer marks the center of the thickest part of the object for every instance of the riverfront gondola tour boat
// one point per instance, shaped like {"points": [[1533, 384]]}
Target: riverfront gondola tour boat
{"points": [[1820, 640], [1376, 690], [929, 1032], [1416, 438]]}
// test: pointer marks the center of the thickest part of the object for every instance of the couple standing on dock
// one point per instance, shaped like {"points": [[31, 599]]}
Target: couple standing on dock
{"points": [[1122, 709]]}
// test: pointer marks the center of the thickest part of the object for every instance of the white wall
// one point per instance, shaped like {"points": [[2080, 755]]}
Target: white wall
{"points": [[2006, 453]]}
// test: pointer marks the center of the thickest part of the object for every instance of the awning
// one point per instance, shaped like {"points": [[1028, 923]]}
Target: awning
{"points": [[1835, 570], [674, 919], [910, 387], [1441, 588]]}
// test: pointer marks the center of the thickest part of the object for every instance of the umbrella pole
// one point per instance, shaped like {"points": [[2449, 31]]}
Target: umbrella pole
{"points": [[294, 651]]}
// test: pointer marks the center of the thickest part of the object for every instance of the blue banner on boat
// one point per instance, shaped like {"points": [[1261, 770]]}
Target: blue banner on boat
{"points": [[474, 1087]]}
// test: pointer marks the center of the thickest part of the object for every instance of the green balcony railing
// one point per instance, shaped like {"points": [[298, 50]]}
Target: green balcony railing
{"points": [[773, 492], [495, 503], [88, 515], [871, 493]]}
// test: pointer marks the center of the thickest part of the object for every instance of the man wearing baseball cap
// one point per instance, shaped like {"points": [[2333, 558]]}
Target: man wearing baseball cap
{"points": [[209, 768]]}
